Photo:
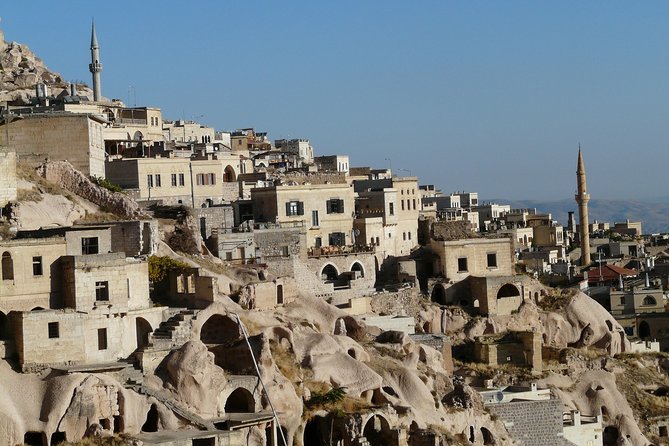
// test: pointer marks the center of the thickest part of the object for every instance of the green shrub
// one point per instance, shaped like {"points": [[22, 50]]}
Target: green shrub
{"points": [[103, 182], [159, 266]]}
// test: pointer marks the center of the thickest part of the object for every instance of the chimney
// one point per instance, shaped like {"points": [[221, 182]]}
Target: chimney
{"points": [[38, 91], [73, 89], [647, 280]]}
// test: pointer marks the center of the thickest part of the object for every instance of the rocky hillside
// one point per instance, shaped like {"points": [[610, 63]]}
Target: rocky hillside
{"points": [[21, 70]]}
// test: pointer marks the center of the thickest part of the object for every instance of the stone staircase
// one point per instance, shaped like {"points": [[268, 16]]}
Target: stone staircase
{"points": [[174, 332]]}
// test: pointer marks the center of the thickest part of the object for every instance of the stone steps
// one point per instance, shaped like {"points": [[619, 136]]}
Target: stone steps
{"points": [[174, 332]]}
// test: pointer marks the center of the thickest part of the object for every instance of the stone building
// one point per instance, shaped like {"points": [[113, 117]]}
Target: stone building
{"points": [[333, 163], [522, 348], [387, 213], [637, 299], [325, 210], [299, 147], [77, 138], [71, 301], [458, 259], [195, 182], [188, 131]]}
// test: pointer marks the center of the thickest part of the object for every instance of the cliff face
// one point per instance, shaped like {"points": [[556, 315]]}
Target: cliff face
{"points": [[21, 70]]}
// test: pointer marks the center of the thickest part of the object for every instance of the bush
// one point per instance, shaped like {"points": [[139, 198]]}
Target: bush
{"points": [[159, 266], [103, 182]]}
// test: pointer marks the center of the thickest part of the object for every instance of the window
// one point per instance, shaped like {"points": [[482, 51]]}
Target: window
{"points": [[391, 208], [622, 300], [205, 179], [335, 206], [158, 180], [37, 266], [182, 182], [404, 236], [378, 241], [102, 339], [101, 291], [337, 239], [462, 264], [89, 245], [294, 208], [54, 331], [414, 204], [318, 242], [492, 260], [314, 218], [7, 266], [649, 300], [402, 206], [149, 180], [409, 234], [174, 179]]}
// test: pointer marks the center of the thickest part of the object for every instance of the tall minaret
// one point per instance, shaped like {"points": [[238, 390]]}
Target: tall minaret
{"points": [[95, 67], [582, 198]]}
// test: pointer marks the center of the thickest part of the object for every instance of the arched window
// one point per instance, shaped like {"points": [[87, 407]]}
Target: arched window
{"points": [[7, 266], [229, 175], [649, 300], [358, 267], [329, 273]]}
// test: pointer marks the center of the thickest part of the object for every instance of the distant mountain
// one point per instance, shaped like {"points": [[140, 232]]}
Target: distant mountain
{"points": [[653, 212]]}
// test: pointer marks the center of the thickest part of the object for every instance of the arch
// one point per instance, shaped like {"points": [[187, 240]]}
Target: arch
{"points": [[279, 294], [439, 294], [644, 330], [329, 273], [37, 309], [229, 175], [509, 290], [649, 300], [219, 329], [377, 431], [143, 329], [487, 436], [477, 304], [611, 435], [138, 136], [7, 266], [240, 401], [358, 267]]}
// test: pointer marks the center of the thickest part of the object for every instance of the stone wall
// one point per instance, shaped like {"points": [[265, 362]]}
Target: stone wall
{"points": [[214, 217], [36, 274], [532, 423], [135, 238], [65, 175], [77, 338], [7, 177], [126, 281], [76, 138]]}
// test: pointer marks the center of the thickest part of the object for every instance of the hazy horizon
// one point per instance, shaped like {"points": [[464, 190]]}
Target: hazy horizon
{"points": [[492, 97]]}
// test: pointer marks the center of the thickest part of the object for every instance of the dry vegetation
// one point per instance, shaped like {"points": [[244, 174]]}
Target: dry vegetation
{"points": [[33, 194], [557, 299], [28, 173]]}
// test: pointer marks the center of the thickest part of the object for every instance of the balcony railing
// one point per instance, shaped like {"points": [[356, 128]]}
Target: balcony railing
{"points": [[325, 251], [259, 226]]}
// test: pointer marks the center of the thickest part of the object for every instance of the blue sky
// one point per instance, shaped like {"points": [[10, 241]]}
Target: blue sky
{"points": [[490, 96]]}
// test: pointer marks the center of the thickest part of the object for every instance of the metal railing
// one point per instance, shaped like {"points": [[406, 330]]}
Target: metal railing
{"points": [[316, 251]]}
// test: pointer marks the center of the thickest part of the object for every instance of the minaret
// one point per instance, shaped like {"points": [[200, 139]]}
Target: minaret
{"points": [[95, 67], [582, 198]]}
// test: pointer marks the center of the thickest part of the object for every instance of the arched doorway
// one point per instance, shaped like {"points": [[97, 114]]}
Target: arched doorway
{"points": [[219, 329], [439, 294], [7, 266], [229, 175], [508, 290], [377, 432], [358, 267], [316, 432], [644, 330], [142, 329], [151, 423], [240, 401], [649, 300], [329, 273]]}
